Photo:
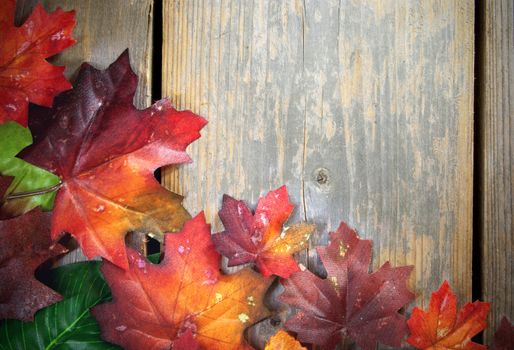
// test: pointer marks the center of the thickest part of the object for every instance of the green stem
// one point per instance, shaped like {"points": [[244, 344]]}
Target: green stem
{"points": [[33, 193]]}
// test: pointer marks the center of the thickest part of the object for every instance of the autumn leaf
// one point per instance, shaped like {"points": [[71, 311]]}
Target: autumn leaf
{"points": [[441, 327], [27, 177], [153, 305], [259, 238], [25, 75], [5, 182], [350, 302], [67, 324], [504, 336], [186, 341], [26, 244], [105, 152], [283, 341]]}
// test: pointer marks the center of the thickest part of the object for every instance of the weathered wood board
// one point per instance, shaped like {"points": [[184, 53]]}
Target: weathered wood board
{"points": [[496, 159], [104, 30], [364, 109]]}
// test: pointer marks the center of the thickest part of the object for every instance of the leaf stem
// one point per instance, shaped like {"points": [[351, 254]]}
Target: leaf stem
{"points": [[33, 193]]}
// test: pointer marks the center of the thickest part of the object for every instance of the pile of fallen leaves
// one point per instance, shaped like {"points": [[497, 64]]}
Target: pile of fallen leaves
{"points": [[80, 162]]}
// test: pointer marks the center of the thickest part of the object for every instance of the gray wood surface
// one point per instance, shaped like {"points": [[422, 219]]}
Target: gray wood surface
{"points": [[496, 159], [104, 30], [364, 109]]}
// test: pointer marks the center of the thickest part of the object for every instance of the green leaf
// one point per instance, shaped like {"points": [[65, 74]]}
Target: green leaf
{"points": [[27, 177], [154, 258], [67, 324]]}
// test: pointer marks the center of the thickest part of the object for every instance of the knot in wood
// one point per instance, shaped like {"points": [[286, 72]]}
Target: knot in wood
{"points": [[321, 176]]}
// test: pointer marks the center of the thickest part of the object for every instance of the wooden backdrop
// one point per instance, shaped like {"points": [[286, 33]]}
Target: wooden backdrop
{"points": [[368, 111]]}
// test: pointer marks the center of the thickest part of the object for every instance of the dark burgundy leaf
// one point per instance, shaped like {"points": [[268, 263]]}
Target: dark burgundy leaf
{"points": [[26, 244], [350, 302], [504, 336]]}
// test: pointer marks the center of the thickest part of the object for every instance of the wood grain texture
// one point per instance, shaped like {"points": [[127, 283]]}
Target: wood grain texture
{"points": [[364, 109], [496, 159], [104, 30]]}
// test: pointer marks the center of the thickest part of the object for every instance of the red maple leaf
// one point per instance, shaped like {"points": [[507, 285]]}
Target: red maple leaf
{"points": [[350, 302], [26, 244], [153, 305], [504, 336], [5, 182], [441, 327], [258, 238], [186, 341], [25, 75], [105, 151]]}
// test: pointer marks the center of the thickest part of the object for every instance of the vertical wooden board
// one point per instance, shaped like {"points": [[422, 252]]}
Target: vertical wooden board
{"points": [[364, 109], [388, 90], [496, 159], [104, 30]]}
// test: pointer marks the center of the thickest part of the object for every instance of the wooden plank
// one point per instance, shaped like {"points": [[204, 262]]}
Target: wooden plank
{"points": [[104, 30], [363, 109], [496, 159]]}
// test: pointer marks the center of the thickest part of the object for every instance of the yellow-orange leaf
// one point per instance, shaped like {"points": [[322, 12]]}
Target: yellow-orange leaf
{"points": [[154, 305], [283, 341]]}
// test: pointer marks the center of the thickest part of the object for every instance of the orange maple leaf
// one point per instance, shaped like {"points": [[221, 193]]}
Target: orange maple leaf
{"points": [[441, 327], [105, 152], [154, 305], [25, 75], [283, 341]]}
